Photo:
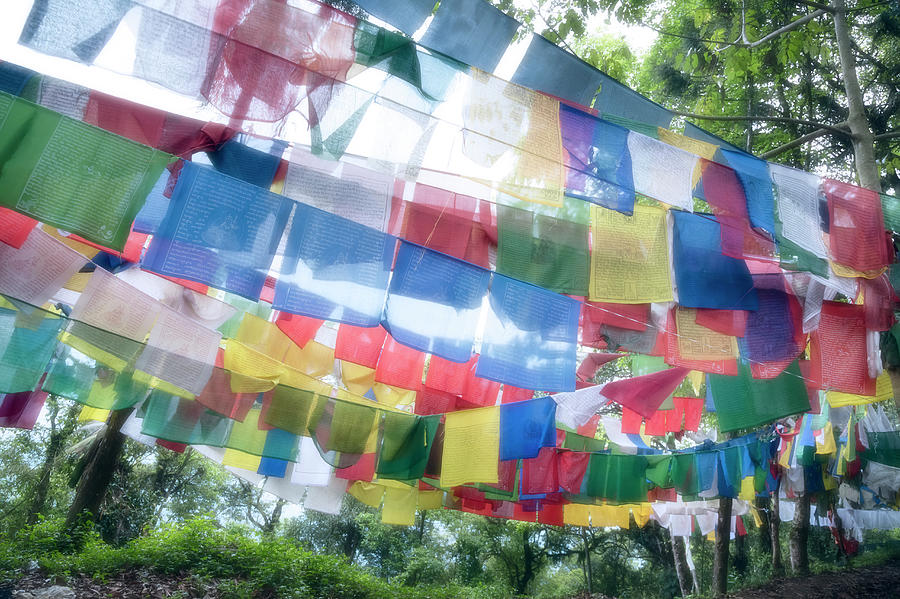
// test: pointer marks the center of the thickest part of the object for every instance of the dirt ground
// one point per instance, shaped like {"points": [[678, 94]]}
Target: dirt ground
{"points": [[879, 582]]}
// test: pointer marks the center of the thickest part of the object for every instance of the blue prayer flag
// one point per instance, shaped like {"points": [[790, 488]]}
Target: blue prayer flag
{"points": [[530, 337], [220, 231], [434, 301], [470, 31], [704, 276], [753, 174], [526, 427], [334, 268], [248, 164]]}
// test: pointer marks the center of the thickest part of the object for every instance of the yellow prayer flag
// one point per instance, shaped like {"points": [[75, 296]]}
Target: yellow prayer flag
{"points": [[368, 493], [241, 359], [78, 281], [697, 379], [696, 342], [263, 336], [630, 256], [357, 378], [313, 359], [748, 489], [825, 444], [471, 447], [431, 500], [576, 514], [641, 513], [240, 459], [883, 392], [682, 142], [400, 506], [851, 273], [393, 396], [89, 414]]}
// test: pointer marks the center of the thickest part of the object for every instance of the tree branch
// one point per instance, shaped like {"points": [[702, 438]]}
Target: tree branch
{"points": [[775, 119], [790, 26], [825, 7], [888, 135], [795, 143]]}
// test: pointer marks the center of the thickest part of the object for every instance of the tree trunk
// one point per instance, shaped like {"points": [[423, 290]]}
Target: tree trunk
{"points": [[58, 436], [799, 537], [775, 535], [863, 138], [588, 570], [98, 472], [762, 508], [723, 538], [681, 565]]}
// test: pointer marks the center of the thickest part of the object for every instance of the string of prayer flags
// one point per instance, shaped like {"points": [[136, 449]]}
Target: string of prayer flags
{"points": [[644, 394], [774, 337], [838, 350], [620, 478], [550, 69], [530, 337], [704, 276], [526, 427], [334, 269], [219, 231], [756, 183], [630, 257], [471, 447], [598, 163], [856, 227], [693, 346], [744, 402], [434, 302], [798, 210], [107, 177]]}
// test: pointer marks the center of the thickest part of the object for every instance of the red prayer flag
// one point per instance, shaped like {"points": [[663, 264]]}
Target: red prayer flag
{"points": [[14, 227], [301, 329], [644, 394], [449, 376], [360, 345], [592, 363], [838, 353], [571, 467], [856, 231], [399, 365], [727, 322]]}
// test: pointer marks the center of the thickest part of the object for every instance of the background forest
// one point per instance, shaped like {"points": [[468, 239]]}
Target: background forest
{"points": [[774, 80]]}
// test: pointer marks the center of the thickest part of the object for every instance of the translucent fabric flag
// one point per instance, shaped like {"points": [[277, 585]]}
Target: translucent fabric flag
{"points": [[723, 191], [526, 427], [694, 132], [183, 421], [334, 269], [633, 317], [540, 474], [478, 391], [106, 177], [593, 363], [49, 28], [434, 401], [530, 336], [219, 231], [704, 276], [237, 159], [111, 305], [180, 351], [661, 171], [629, 258], [21, 410], [756, 182], [13, 78], [360, 345], [644, 394], [406, 15], [620, 478], [617, 99], [838, 351], [552, 70], [448, 376], [300, 329], [454, 224], [744, 402], [346, 190], [28, 337], [598, 163], [405, 446], [399, 506], [727, 322], [890, 208], [399, 365], [576, 408], [96, 369], [38, 269], [225, 394], [799, 209], [471, 447], [543, 250], [774, 337], [14, 227], [434, 302], [693, 346], [856, 227], [471, 31]]}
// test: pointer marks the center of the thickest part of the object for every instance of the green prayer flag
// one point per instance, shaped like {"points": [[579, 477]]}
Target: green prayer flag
{"points": [[890, 207], [290, 409], [406, 445], [543, 250], [72, 175], [686, 473], [744, 402], [182, 420], [620, 478], [28, 338]]}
